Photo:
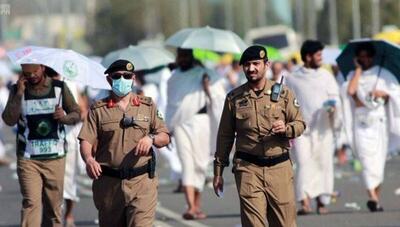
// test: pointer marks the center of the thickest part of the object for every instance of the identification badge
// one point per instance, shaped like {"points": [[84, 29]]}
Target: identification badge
{"points": [[243, 103], [43, 147]]}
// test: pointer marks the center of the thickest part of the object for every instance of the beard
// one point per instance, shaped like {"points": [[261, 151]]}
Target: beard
{"points": [[254, 78], [35, 80]]}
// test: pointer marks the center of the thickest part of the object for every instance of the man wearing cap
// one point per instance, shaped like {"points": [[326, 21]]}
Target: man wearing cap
{"points": [[40, 106], [124, 126], [263, 118]]}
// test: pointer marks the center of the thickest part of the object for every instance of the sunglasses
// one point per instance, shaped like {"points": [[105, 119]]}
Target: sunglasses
{"points": [[117, 76]]}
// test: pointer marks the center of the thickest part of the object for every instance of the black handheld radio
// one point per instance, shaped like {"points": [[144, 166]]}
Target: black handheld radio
{"points": [[276, 90]]}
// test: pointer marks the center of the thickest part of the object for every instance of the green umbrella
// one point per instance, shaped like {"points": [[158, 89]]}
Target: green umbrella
{"points": [[387, 56], [206, 55], [274, 54]]}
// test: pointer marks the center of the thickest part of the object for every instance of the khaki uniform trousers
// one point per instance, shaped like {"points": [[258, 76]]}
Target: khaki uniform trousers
{"points": [[41, 182], [126, 202], [266, 193]]}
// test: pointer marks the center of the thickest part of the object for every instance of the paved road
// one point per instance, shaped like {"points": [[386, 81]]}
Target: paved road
{"points": [[225, 211]]}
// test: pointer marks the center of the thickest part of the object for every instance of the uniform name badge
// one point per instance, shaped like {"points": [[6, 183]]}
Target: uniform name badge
{"points": [[43, 147]]}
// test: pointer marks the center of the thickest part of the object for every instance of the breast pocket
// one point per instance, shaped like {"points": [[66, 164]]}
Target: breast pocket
{"points": [[276, 112], [109, 129], [243, 118]]}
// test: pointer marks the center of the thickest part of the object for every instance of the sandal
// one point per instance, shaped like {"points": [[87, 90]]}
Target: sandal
{"points": [[374, 206], [322, 210], [304, 211], [189, 216], [200, 215]]}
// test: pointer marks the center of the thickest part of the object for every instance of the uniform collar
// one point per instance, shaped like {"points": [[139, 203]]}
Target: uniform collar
{"points": [[266, 91], [134, 101]]}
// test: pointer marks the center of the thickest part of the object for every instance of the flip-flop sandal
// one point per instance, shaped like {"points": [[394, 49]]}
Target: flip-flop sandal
{"points": [[373, 206], [322, 210], [303, 211], [189, 216], [201, 215]]}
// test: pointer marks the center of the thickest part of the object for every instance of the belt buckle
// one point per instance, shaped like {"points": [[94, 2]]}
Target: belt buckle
{"points": [[268, 157]]}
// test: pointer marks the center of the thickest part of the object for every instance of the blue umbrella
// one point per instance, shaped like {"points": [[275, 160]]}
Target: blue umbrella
{"points": [[387, 56]]}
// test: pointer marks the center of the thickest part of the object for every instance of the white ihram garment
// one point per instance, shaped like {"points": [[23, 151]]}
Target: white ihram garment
{"points": [[313, 151], [73, 158], [195, 134], [159, 95], [369, 128]]}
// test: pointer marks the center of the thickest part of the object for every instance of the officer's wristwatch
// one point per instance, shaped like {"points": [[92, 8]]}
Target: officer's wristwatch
{"points": [[152, 137]]}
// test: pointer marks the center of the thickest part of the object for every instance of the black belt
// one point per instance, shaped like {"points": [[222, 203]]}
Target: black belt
{"points": [[128, 173], [262, 161]]}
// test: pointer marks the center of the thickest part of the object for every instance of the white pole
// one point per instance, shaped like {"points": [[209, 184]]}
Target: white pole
{"points": [[356, 19], [333, 27], [228, 11], [312, 20], [375, 16]]}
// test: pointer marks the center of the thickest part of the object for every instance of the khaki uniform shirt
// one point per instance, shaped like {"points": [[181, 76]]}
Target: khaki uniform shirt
{"points": [[115, 144], [249, 118]]}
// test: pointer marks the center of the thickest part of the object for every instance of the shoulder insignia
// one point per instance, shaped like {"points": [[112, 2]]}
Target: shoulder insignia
{"points": [[145, 100], [136, 101], [236, 92], [285, 91], [159, 115], [98, 104], [296, 103], [244, 102]]}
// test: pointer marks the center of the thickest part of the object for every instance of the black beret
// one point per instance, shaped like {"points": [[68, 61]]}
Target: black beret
{"points": [[255, 52], [120, 65]]}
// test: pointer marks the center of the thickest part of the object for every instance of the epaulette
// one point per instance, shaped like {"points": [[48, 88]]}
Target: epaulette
{"points": [[145, 100], [236, 92], [99, 103], [285, 91]]}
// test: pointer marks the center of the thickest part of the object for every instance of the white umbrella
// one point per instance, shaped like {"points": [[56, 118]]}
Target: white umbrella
{"points": [[142, 57], [329, 55], [5, 70], [68, 63], [207, 38]]}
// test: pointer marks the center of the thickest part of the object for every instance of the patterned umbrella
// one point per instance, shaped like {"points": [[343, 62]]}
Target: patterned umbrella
{"points": [[68, 63]]}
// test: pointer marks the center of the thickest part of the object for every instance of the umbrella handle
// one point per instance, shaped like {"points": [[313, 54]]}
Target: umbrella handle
{"points": [[380, 69], [62, 91]]}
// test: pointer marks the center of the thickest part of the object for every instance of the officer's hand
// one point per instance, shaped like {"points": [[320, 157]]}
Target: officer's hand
{"points": [[58, 113], [93, 168], [143, 147], [278, 127], [218, 184]]}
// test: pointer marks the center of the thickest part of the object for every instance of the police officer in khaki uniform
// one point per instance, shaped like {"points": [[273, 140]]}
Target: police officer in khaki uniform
{"points": [[124, 126], [263, 118]]}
